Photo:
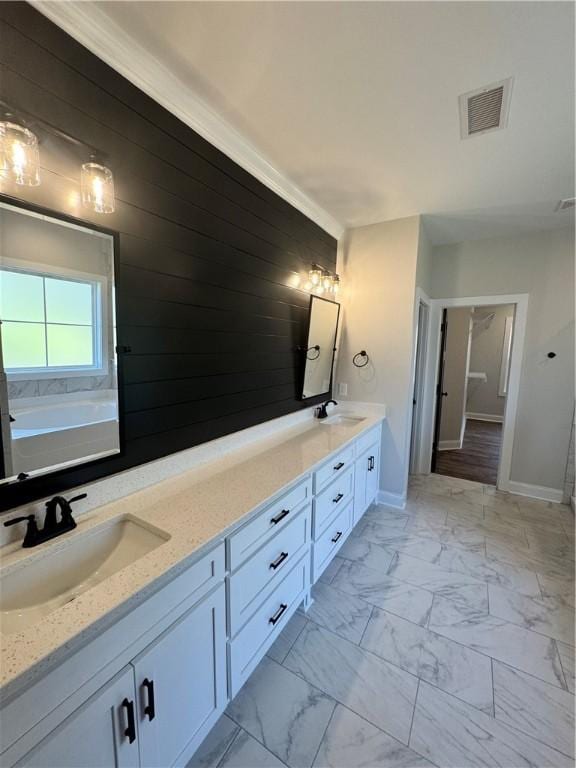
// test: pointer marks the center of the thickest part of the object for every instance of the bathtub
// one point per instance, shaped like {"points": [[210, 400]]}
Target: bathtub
{"points": [[63, 429]]}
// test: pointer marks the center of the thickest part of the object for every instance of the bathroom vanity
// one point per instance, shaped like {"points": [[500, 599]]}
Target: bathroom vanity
{"points": [[133, 663]]}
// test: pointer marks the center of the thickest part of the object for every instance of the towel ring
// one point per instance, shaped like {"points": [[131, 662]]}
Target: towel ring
{"points": [[363, 354], [316, 347]]}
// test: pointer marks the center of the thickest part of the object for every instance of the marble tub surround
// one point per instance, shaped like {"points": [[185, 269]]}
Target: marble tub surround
{"points": [[490, 690], [196, 510]]}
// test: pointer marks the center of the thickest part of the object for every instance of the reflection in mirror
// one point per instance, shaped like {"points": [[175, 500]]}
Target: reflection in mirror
{"points": [[320, 348], [58, 375]]}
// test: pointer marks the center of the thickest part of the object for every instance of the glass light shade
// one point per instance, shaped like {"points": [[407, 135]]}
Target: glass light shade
{"points": [[19, 156], [335, 284], [327, 281], [97, 184], [315, 275]]}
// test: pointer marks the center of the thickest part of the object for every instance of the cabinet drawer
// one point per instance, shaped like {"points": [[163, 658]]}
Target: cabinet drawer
{"points": [[332, 539], [250, 645], [336, 496], [253, 581], [364, 442], [337, 465], [272, 519]]}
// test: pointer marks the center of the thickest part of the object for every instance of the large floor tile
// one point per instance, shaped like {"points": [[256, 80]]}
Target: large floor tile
{"points": [[500, 639], [246, 752], [352, 742], [540, 710], [557, 587], [330, 571], [547, 615], [419, 573], [378, 691], [567, 658], [553, 567], [372, 555], [285, 713], [214, 746], [376, 588], [453, 734], [432, 657], [343, 613], [285, 640]]}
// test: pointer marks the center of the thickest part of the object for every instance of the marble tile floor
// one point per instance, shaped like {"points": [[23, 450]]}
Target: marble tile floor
{"points": [[442, 634]]}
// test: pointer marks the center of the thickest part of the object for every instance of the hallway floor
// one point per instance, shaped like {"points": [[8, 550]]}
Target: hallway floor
{"points": [[479, 456], [443, 634]]}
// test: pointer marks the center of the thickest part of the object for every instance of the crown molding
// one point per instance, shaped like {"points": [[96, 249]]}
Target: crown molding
{"points": [[90, 26]]}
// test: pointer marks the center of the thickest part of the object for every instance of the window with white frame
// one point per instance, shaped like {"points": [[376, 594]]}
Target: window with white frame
{"points": [[51, 323]]}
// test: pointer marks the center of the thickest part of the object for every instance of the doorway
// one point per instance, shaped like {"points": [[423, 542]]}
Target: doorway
{"points": [[477, 442]]}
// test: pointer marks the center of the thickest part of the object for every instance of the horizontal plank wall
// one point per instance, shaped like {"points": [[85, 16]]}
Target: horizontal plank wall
{"points": [[207, 254]]}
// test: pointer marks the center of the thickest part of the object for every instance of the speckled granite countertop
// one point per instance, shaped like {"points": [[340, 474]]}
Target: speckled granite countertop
{"points": [[197, 509]]}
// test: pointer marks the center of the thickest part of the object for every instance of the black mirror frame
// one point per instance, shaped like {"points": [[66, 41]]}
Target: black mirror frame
{"points": [[18, 492], [329, 392]]}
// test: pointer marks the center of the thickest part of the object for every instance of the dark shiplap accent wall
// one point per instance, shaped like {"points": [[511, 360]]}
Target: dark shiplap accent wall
{"points": [[206, 253]]}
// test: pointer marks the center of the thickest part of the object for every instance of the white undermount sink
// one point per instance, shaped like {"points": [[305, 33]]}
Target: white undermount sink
{"points": [[39, 585], [344, 419]]}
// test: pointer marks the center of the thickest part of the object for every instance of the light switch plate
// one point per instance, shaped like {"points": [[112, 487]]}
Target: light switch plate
{"points": [[342, 389]]}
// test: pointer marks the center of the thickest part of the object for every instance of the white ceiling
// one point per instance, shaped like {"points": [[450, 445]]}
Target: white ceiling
{"points": [[357, 102]]}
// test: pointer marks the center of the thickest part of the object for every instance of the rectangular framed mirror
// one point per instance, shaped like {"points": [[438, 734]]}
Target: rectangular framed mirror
{"points": [[320, 347], [58, 366]]}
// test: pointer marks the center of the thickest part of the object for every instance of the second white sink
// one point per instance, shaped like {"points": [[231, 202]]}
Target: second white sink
{"points": [[43, 583]]}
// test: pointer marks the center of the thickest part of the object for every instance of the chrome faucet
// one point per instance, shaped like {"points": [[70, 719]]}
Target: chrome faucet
{"points": [[52, 526], [321, 412]]}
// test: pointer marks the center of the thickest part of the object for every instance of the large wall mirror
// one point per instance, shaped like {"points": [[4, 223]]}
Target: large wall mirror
{"points": [[320, 347], [58, 378]]}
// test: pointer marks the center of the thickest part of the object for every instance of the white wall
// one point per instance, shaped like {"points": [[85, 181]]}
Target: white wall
{"points": [[542, 265], [455, 384], [378, 268], [486, 357]]}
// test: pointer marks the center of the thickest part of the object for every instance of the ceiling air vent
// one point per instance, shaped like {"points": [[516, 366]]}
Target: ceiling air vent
{"points": [[565, 205], [485, 109]]}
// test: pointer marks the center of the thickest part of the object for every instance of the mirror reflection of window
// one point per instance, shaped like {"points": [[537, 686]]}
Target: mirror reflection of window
{"points": [[323, 326], [58, 380]]}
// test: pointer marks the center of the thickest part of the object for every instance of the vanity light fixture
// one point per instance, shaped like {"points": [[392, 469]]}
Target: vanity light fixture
{"points": [[327, 281], [315, 275], [335, 284], [19, 156], [97, 183]]}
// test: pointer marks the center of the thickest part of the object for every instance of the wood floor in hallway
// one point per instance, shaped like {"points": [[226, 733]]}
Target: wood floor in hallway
{"points": [[479, 456]]}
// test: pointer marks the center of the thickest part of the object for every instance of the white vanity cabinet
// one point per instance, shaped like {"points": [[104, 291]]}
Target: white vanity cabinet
{"points": [[95, 735], [366, 473]]}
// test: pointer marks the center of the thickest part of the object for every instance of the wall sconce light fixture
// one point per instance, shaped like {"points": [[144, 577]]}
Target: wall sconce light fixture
{"points": [[97, 184], [321, 281], [315, 275], [19, 156]]}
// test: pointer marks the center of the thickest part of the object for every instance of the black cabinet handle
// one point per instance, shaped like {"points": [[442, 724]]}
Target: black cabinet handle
{"points": [[337, 499], [370, 463], [280, 516], [278, 615], [279, 560], [339, 466], [130, 731], [150, 708], [335, 539]]}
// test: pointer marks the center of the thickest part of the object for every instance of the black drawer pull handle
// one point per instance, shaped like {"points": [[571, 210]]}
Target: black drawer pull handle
{"points": [[280, 516], [150, 708], [130, 731], [339, 466], [370, 463], [335, 539], [337, 499], [279, 561], [278, 615]]}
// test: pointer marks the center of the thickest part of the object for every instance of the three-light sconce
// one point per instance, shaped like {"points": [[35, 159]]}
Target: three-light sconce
{"points": [[321, 281], [20, 163]]}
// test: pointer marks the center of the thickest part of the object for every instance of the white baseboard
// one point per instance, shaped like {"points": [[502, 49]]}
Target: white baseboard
{"points": [[536, 491], [486, 417], [450, 445], [397, 500]]}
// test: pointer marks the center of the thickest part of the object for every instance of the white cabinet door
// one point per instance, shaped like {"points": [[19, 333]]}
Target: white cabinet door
{"points": [[181, 683], [360, 470], [372, 473], [102, 732]]}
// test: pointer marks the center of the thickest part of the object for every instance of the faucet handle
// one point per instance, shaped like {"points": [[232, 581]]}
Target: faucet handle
{"points": [[30, 539]]}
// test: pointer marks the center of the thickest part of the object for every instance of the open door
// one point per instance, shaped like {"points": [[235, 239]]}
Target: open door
{"points": [[440, 394]]}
